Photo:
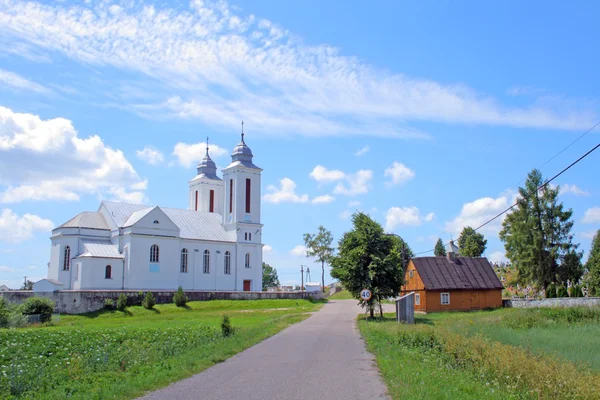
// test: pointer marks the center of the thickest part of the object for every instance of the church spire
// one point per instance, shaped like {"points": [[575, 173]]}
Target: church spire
{"points": [[207, 147], [243, 132]]}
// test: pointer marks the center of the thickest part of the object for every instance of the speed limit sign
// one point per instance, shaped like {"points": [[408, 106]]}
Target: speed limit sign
{"points": [[365, 294]]}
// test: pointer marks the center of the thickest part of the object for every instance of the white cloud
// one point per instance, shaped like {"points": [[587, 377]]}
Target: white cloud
{"points": [[323, 199], [398, 216], [477, 212], [587, 235], [267, 249], [15, 81], [497, 256], [299, 251], [6, 269], [592, 216], [285, 193], [191, 154], [355, 183], [150, 155], [47, 160], [345, 214], [324, 175], [15, 228], [354, 203], [32, 267], [399, 173], [429, 217], [362, 151], [574, 189], [225, 65]]}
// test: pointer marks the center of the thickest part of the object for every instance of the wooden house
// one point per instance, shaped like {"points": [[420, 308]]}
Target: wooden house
{"points": [[452, 283]]}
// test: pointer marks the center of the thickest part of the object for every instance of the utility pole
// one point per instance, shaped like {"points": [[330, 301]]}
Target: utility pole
{"points": [[302, 276]]}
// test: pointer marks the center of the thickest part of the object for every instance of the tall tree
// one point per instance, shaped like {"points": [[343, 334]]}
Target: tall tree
{"points": [[440, 250], [319, 246], [537, 232], [471, 243], [571, 268], [368, 258], [269, 276], [403, 249], [27, 285], [593, 267]]}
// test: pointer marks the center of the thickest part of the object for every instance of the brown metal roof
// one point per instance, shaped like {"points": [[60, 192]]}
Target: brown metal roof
{"points": [[466, 273]]}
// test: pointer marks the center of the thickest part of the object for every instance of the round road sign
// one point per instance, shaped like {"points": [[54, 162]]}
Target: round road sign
{"points": [[365, 294]]}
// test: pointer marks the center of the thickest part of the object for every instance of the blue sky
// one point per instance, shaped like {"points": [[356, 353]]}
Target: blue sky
{"points": [[423, 114]]}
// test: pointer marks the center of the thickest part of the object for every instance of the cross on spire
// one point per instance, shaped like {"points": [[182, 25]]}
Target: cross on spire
{"points": [[242, 131], [207, 145]]}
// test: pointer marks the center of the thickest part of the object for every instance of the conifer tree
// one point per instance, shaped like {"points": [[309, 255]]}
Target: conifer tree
{"points": [[439, 250], [593, 267], [471, 243]]}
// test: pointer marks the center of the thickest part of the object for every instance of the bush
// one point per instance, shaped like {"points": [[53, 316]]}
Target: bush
{"points": [[109, 304], [148, 302], [575, 291], [179, 298], [551, 291], [122, 302], [226, 328], [38, 305], [562, 291], [4, 313]]}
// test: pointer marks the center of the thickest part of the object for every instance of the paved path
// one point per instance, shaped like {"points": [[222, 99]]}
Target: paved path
{"points": [[320, 358]]}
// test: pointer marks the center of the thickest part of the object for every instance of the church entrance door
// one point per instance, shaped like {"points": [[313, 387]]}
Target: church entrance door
{"points": [[247, 285]]}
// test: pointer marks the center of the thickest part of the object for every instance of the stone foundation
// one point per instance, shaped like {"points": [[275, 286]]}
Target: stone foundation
{"points": [[559, 302], [79, 302]]}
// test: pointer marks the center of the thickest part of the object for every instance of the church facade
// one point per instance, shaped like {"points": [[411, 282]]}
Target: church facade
{"points": [[215, 244]]}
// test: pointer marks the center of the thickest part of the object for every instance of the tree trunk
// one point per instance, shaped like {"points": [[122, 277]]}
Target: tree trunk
{"points": [[380, 306], [323, 275], [371, 311]]}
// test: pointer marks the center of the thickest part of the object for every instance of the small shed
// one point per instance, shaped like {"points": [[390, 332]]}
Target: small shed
{"points": [[47, 285], [313, 287], [452, 283]]}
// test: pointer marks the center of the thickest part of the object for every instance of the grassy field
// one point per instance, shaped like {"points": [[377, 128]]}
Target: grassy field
{"points": [[545, 353], [118, 355], [341, 295]]}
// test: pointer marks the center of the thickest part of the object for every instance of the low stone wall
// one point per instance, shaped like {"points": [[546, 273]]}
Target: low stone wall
{"points": [[79, 302], [560, 302]]}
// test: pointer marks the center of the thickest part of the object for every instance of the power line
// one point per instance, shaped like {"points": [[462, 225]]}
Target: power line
{"points": [[540, 187]]}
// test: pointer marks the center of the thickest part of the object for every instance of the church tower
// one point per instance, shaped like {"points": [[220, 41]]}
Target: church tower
{"points": [[242, 180], [206, 189]]}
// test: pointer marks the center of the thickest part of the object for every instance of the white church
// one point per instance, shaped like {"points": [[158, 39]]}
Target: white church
{"points": [[214, 244]]}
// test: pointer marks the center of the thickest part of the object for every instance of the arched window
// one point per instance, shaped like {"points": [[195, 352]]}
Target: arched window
{"points": [[67, 259], [227, 263], [206, 263], [247, 260], [154, 253], [108, 272], [184, 261]]}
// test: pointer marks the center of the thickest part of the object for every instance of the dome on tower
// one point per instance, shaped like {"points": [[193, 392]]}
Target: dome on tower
{"points": [[207, 167], [242, 154]]}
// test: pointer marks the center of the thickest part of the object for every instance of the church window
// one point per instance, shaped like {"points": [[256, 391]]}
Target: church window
{"points": [[245, 235], [196, 201], [156, 221], [247, 263], [227, 263], [206, 264], [248, 195], [184, 261], [154, 253], [250, 236], [211, 207], [230, 196], [108, 272], [67, 260]]}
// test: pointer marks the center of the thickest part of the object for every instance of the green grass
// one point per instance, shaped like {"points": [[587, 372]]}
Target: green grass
{"points": [[118, 355], [341, 295]]}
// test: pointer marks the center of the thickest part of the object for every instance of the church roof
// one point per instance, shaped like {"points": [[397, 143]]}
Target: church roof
{"points": [[86, 219], [242, 155], [100, 248], [207, 167], [193, 225]]}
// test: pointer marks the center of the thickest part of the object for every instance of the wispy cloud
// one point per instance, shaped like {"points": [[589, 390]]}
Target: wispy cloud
{"points": [[573, 189], [405, 216], [592, 216], [323, 199], [398, 173], [188, 154], [15, 228], [362, 151], [285, 193], [215, 65], [150, 155], [15, 81]]}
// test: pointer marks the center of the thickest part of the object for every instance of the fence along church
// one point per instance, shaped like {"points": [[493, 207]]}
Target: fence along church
{"points": [[213, 245]]}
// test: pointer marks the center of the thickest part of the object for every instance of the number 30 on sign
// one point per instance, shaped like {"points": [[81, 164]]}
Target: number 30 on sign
{"points": [[365, 294]]}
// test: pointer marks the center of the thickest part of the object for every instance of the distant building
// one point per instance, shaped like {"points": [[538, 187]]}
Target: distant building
{"points": [[452, 283], [313, 287], [4, 288]]}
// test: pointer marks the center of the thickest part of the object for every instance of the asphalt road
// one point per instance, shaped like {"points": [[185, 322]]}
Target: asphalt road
{"points": [[321, 358]]}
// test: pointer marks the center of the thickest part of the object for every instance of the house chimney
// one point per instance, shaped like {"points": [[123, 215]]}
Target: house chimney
{"points": [[452, 251]]}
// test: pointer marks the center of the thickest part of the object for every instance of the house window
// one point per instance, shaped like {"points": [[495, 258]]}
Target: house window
{"points": [[445, 297], [248, 181], [417, 299], [154, 253], [206, 263], [211, 207], [227, 263], [108, 272], [67, 259], [184, 261], [410, 274], [247, 263]]}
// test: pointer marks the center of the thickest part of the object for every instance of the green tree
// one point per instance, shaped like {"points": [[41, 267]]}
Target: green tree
{"points": [[537, 233], [269, 276], [571, 268], [179, 298], [440, 250], [148, 302], [368, 258], [27, 285], [593, 267], [471, 243], [319, 246], [403, 249]]}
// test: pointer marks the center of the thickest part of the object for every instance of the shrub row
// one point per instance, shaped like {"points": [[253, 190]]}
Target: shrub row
{"points": [[553, 292], [15, 316], [146, 300]]}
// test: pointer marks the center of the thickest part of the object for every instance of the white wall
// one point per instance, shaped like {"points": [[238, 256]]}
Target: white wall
{"points": [[91, 273], [203, 186], [45, 286]]}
